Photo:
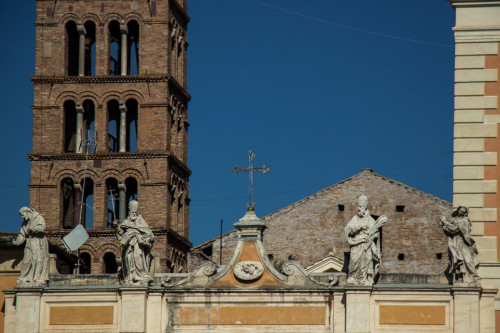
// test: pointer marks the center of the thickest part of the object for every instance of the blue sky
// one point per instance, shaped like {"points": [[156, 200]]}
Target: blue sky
{"points": [[318, 89]]}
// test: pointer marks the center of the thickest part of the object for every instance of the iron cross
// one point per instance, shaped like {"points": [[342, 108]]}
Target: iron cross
{"points": [[250, 170]]}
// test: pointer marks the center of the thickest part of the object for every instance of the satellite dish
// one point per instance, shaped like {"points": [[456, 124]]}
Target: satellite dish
{"points": [[76, 238]]}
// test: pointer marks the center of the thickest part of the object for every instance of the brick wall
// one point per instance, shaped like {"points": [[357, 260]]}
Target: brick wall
{"points": [[312, 228], [161, 156]]}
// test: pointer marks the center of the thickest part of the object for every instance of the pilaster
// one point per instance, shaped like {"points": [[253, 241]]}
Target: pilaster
{"points": [[357, 302]]}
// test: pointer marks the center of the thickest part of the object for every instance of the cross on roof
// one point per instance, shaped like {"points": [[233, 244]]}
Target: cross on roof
{"points": [[251, 170]]}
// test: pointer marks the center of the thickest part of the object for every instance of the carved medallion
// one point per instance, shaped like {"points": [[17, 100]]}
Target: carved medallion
{"points": [[248, 270]]}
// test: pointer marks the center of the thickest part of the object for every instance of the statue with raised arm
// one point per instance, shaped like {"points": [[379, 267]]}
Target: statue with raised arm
{"points": [[137, 240], [363, 234], [35, 266], [462, 248]]}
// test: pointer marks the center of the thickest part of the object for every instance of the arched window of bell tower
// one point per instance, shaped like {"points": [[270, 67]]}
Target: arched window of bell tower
{"points": [[90, 37], [130, 190], [72, 41], [113, 111], [114, 63], [87, 132], [68, 203], [85, 203], [133, 48], [112, 201], [69, 126], [132, 115]]}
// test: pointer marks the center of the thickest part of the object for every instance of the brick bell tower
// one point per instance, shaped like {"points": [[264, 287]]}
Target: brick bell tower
{"points": [[110, 124]]}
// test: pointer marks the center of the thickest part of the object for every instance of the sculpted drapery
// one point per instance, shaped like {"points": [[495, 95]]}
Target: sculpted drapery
{"points": [[362, 233], [463, 252], [137, 240], [35, 266]]}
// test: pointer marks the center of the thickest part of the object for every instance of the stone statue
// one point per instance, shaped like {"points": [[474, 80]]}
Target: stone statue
{"points": [[462, 248], [35, 266], [361, 233], [137, 240]]}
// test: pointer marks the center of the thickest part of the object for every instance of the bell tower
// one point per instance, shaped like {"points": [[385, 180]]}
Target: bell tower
{"points": [[110, 124]]}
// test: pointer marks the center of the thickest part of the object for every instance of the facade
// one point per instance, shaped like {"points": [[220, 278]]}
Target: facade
{"points": [[110, 124], [312, 229], [477, 118], [249, 295]]}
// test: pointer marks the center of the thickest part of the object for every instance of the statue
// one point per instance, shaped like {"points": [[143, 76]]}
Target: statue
{"points": [[462, 248], [137, 240], [35, 266], [361, 233]]}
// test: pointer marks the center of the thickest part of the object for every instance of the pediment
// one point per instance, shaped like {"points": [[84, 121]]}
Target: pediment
{"points": [[328, 264]]}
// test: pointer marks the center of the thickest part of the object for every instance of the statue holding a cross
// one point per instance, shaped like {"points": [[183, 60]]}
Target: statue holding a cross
{"points": [[251, 170]]}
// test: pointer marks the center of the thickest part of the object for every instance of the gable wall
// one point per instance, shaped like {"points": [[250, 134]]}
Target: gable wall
{"points": [[315, 227]]}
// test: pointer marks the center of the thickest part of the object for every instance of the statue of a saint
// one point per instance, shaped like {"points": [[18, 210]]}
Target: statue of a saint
{"points": [[463, 252], [362, 232], [137, 240], [35, 266]]}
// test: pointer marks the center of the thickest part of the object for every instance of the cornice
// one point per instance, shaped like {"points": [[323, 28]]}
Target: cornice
{"points": [[180, 9], [474, 3], [97, 156], [106, 232], [106, 79], [108, 156]]}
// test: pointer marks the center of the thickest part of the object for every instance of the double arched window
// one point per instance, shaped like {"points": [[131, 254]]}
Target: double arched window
{"points": [[118, 196], [122, 126], [123, 44], [80, 48], [79, 126], [77, 203], [123, 48]]}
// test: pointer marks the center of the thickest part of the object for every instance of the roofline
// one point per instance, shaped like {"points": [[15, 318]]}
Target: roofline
{"points": [[331, 187]]}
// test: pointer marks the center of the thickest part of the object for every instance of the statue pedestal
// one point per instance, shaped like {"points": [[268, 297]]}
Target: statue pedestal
{"points": [[28, 310], [357, 316], [133, 317], [466, 309], [156, 318]]}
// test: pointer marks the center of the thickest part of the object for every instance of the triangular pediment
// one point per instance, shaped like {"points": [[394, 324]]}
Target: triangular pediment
{"points": [[329, 264]]}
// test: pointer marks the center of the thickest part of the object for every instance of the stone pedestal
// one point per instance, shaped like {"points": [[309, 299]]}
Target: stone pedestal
{"points": [[156, 320], [487, 310], [10, 312], [133, 316], [338, 314], [466, 308], [357, 312], [27, 310]]}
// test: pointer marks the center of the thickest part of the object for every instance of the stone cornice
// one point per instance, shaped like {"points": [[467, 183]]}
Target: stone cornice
{"points": [[474, 3], [180, 9], [111, 233], [38, 79], [107, 156]]}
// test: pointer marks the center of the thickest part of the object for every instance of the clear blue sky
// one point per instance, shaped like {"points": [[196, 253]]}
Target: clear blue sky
{"points": [[318, 89]]}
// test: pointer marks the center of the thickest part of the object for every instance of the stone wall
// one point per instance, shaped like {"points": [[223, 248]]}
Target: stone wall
{"points": [[121, 309]]}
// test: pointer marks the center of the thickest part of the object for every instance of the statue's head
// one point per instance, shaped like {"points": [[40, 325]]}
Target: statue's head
{"points": [[25, 212], [362, 205], [461, 211], [132, 209]]}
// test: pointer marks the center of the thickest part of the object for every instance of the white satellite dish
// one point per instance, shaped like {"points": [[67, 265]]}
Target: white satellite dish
{"points": [[76, 238]]}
